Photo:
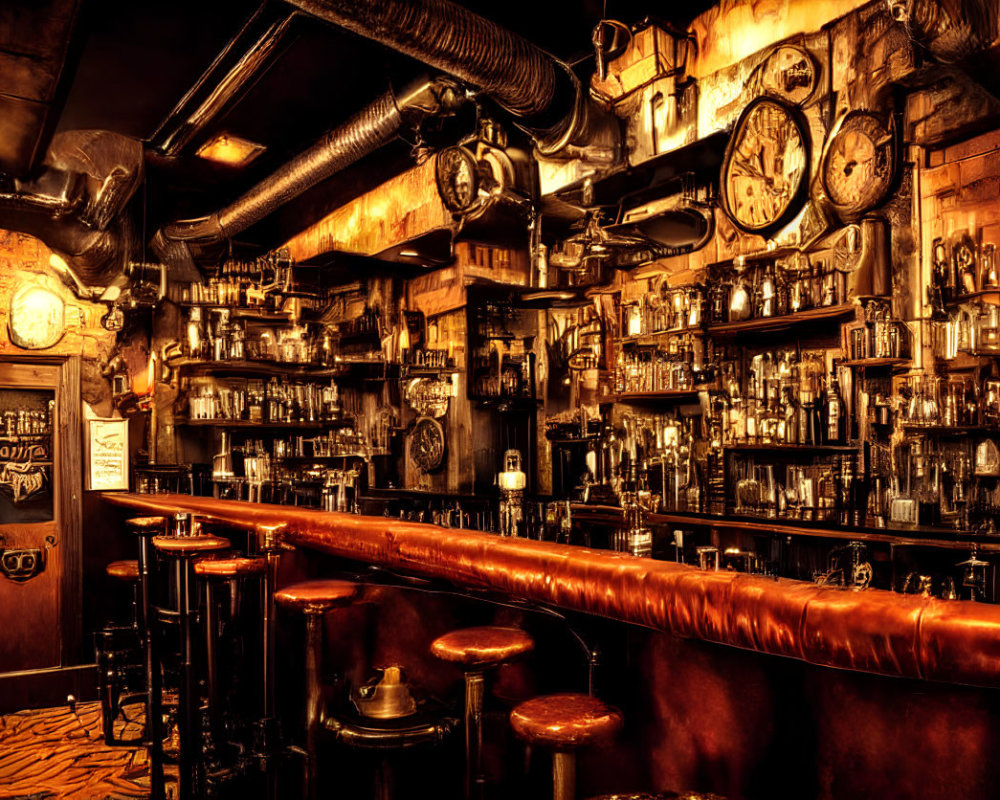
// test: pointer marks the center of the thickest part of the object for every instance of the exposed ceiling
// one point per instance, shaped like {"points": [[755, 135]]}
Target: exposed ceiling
{"points": [[136, 61]]}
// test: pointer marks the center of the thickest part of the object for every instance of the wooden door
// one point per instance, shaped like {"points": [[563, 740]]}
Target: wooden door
{"points": [[39, 514]]}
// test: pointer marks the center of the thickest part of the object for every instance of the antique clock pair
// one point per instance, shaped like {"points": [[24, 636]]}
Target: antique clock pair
{"points": [[765, 172]]}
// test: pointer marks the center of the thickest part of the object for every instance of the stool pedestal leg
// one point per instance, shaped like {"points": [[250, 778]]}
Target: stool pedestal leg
{"points": [[188, 758], [563, 775], [154, 687], [474, 780], [212, 665], [314, 699]]}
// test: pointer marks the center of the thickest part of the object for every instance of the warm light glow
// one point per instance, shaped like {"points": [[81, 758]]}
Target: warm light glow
{"points": [[231, 150], [58, 263], [144, 383]]}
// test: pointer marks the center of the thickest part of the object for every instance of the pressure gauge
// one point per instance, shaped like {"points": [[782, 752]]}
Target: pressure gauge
{"points": [[764, 171], [858, 165], [457, 178], [427, 444]]}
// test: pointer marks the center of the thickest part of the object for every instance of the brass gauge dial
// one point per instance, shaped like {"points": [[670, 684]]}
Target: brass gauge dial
{"points": [[457, 178], [427, 444], [764, 171], [858, 165]]}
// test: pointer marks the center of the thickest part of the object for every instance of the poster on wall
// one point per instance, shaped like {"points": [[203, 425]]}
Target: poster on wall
{"points": [[107, 454], [26, 454]]}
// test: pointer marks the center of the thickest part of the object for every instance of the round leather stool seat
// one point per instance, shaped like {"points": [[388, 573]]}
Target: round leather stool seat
{"points": [[145, 524], [317, 597], [124, 570], [482, 647], [230, 567], [660, 796], [565, 721], [190, 545]]}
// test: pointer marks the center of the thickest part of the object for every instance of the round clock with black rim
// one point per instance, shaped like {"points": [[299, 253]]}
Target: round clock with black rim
{"points": [[427, 444], [765, 167], [859, 164]]}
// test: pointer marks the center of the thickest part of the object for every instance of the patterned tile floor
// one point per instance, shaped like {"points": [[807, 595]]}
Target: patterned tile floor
{"points": [[59, 754]]}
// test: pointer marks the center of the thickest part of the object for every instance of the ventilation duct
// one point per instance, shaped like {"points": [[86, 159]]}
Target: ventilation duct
{"points": [[75, 205], [538, 89], [361, 135]]}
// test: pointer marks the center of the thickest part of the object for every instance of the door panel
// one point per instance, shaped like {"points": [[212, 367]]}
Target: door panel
{"points": [[31, 516]]}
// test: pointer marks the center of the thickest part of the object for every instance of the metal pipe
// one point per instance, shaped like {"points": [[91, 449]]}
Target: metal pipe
{"points": [[187, 121]]}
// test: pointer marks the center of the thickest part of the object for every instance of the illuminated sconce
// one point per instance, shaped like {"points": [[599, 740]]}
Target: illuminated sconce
{"points": [[230, 150], [37, 318]]}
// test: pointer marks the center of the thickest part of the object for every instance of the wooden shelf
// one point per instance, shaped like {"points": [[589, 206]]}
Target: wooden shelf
{"points": [[666, 396], [896, 537], [783, 322], [873, 363], [247, 424], [248, 367], [652, 338], [917, 537], [991, 296], [791, 448], [951, 430]]}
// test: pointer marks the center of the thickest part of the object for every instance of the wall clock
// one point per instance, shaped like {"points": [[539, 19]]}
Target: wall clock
{"points": [[37, 318], [427, 444], [764, 170], [858, 164]]}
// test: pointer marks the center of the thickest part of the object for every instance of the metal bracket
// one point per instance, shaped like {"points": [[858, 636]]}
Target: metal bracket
{"points": [[23, 564]]}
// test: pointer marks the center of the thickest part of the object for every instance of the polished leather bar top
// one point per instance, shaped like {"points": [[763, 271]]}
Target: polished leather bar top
{"points": [[124, 570], [872, 631], [318, 597], [565, 721], [483, 646]]}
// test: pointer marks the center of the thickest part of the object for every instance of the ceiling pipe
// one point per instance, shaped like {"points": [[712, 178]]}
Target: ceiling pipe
{"points": [[365, 132], [536, 88], [213, 93]]}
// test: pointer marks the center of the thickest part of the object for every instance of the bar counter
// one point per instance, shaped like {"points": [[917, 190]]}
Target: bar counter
{"points": [[873, 631]]}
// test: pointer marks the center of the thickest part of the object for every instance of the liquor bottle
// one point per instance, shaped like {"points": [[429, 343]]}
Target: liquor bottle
{"points": [[834, 405]]}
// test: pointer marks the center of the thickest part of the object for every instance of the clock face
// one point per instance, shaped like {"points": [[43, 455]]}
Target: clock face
{"points": [[764, 171], [37, 318], [858, 165], [427, 444], [457, 178]]}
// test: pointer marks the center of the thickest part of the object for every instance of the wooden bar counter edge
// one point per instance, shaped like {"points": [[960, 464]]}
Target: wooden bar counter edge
{"points": [[871, 631]]}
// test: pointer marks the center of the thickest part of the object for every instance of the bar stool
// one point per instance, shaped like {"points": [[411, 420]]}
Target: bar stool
{"points": [[314, 599], [660, 796], [118, 655], [564, 723], [476, 650], [183, 550], [145, 528], [213, 572]]}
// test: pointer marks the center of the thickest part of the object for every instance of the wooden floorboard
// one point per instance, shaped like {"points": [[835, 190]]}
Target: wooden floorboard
{"points": [[60, 754]]}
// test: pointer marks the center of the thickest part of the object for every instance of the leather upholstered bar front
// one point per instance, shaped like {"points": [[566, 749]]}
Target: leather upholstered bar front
{"points": [[873, 631]]}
